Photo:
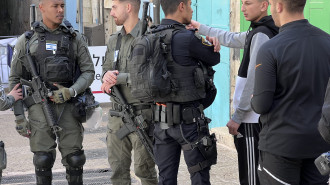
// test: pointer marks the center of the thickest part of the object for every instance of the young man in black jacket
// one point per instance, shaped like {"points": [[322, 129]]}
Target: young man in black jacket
{"points": [[244, 124], [292, 73]]}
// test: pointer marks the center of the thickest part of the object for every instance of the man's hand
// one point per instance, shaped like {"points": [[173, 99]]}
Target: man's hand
{"points": [[61, 95], [105, 88], [22, 126], [110, 77], [16, 92], [233, 127], [193, 25], [215, 43]]}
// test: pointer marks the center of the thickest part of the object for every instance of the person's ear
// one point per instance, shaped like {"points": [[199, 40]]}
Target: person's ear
{"points": [[264, 6], [279, 7], [129, 7], [181, 7], [41, 8]]}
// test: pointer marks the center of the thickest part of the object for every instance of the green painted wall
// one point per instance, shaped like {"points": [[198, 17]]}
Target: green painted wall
{"points": [[316, 11]]}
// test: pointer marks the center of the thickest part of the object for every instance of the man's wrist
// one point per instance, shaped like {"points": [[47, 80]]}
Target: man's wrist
{"points": [[73, 92]]}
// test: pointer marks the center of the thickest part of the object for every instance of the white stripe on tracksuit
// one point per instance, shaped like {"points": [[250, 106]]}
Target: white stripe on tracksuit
{"points": [[250, 154], [275, 178]]}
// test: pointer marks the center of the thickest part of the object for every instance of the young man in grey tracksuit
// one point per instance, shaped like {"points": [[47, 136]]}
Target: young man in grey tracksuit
{"points": [[244, 122]]}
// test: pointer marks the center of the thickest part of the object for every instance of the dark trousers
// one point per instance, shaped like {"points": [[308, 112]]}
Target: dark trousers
{"points": [[167, 150], [278, 170], [248, 153]]}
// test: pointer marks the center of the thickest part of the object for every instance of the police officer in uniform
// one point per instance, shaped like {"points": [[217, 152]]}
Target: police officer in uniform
{"points": [[7, 101], [190, 133], [61, 57], [115, 70]]}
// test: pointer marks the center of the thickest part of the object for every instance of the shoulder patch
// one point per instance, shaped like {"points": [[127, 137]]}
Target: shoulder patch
{"points": [[206, 42]]}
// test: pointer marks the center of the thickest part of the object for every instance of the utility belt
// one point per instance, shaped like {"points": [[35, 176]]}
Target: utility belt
{"points": [[169, 114], [116, 107]]}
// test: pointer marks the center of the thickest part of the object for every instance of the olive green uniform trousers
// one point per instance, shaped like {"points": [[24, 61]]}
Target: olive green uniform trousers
{"points": [[43, 139], [119, 156]]}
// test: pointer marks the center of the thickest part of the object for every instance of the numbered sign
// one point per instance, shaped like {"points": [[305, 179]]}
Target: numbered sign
{"points": [[98, 56]]}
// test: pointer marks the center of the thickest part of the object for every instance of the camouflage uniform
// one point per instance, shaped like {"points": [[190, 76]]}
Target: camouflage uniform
{"points": [[5, 103], [119, 151], [42, 138]]}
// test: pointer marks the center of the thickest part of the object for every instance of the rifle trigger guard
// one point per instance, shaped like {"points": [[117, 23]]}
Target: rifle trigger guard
{"points": [[57, 129]]}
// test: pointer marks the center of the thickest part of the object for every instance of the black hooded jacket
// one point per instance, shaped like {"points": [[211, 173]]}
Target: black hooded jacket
{"points": [[265, 25]]}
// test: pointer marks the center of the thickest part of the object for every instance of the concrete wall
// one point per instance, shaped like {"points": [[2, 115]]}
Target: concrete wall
{"points": [[234, 53], [14, 16]]}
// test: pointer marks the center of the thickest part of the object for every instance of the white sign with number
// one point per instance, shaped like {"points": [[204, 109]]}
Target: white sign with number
{"points": [[98, 56]]}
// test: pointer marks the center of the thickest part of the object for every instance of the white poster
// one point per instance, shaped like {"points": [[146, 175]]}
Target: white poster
{"points": [[98, 56]]}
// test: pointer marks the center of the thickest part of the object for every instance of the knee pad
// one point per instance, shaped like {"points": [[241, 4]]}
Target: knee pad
{"points": [[76, 159], [43, 160]]}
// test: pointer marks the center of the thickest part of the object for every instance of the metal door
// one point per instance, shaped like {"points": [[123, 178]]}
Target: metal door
{"points": [[216, 13]]}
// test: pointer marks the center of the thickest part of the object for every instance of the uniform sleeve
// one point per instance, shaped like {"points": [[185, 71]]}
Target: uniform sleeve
{"points": [[86, 66], [226, 38], [109, 55], [244, 105], [17, 62], [203, 51], [265, 81], [6, 102], [16, 71]]}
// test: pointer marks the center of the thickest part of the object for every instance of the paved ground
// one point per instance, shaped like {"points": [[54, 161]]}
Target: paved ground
{"points": [[20, 169]]}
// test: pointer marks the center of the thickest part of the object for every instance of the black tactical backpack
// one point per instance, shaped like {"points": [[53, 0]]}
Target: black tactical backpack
{"points": [[148, 67], [151, 81]]}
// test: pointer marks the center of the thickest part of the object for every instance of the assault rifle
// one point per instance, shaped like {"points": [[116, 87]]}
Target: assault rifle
{"points": [[144, 19], [133, 123]]}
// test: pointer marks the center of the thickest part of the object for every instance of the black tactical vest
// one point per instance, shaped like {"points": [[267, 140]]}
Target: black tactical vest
{"points": [[54, 57], [156, 77]]}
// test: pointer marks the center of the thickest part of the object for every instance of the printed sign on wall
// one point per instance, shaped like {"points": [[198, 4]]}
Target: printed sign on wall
{"points": [[98, 55]]}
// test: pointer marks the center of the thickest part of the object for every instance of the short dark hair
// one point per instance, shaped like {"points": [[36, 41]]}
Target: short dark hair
{"points": [[294, 6], [170, 6], [135, 3]]}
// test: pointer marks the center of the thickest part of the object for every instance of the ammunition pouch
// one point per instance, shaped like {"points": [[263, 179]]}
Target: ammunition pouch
{"points": [[170, 114], [210, 89], [208, 148], [199, 78], [83, 103], [58, 69]]}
